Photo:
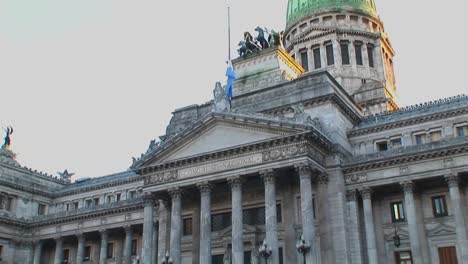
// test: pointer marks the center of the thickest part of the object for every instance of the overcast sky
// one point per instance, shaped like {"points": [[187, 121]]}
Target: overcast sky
{"points": [[87, 84]]}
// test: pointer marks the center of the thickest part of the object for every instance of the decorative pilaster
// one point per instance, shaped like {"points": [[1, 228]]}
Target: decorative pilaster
{"points": [[353, 228], [104, 245], [237, 223], [411, 217], [127, 254], [304, 171], [80, 249], [366, 195], [176, 224], [37, 252], [58, 259], [148, 227], [271, 224], [453, 181], [163, 229], [205, 222]]}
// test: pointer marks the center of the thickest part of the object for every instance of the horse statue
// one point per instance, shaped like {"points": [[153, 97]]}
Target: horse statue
{"points": [[7, 143], [251, 45], [261, 38], [276, 38], [243, 48]]}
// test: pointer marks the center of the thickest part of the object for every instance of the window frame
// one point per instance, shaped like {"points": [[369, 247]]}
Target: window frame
{"points": [[401, 212], [345, 53], [444, 205], [398, 256], [110, 253], [304, 54], [317, 57], [88, 257], [41, 206], [187, 230], [370, 55], [330, 54], [358, 54]]}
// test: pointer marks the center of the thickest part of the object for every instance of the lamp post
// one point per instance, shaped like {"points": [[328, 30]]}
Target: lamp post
{"points": [[167, 258], [302, 247], [264, 250], [396, 238]]}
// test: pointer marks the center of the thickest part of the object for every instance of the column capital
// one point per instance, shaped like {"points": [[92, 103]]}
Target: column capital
{"points": [[205, 187], [407, 186], [322, 178], [304, 169], [366, 193], [268, 176], [80, 236], [235, 182], [128, 229], [104, 234], [175, 192], [148, 198], [38, 242], [453, 180], [351, 195]]}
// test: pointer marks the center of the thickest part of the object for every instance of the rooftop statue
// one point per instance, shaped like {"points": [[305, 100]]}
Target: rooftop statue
{"points": [[7, 143], [249, 45], [221, 101], [261, 38], [275, 38], [66, 176]]}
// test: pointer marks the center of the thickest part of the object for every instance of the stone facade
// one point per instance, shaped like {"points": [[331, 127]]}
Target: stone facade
{"points": [[296, 163]]}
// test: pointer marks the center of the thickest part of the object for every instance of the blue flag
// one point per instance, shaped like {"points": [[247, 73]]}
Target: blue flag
{"points": [[231, 76]]}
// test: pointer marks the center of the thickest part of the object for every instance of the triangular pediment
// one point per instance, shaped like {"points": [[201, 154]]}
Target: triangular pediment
{"points": [[221, 132]]}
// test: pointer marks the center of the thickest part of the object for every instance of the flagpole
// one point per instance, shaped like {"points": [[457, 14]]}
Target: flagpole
{"points": [[229, 30]]}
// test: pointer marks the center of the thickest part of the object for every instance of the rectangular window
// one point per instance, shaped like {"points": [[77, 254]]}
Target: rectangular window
{"points": [[403, 257], [330, 55], [247, 257], [398, 212], [87, 253], [462, 131], [220, 221], [96, 201], [280, 253], [88, 203], [358, 51], [217, 259], [67, 207], [75, 205], [187, 227], [439, 206], [370, 54], [109, 199], [9, 204], [317, 58], [420, 139], [66, 256], [305, 61], [134, 247], [435, 136], [110, 250], [382, 146], [345, 53], [118, 197], [41, 209]]}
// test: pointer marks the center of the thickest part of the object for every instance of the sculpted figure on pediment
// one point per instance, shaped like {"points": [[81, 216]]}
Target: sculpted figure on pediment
{"points": [[220, 102]]}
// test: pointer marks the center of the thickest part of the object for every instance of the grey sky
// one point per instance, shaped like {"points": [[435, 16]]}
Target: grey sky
{"points": [[87, 84]]}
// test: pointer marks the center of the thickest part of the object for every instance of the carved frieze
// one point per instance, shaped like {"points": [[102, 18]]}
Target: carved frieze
{"points": [[355, 178], [292, 151], [162, 177]]}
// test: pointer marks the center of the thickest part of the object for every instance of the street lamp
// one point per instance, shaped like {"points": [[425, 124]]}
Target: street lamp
{"points": [[396, 238], [264, 250], [302, 247], [167, 258]]}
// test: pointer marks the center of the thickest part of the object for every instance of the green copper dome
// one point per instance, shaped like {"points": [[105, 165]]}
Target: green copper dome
{"points": [[298, 9]]}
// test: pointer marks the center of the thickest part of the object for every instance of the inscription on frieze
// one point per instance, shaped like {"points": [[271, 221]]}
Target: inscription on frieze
{"points": [[220, 166]]}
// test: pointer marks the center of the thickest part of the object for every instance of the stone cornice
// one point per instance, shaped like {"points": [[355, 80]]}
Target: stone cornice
{"points": [[97, 186], [407, 155], [27, 189], [9, 221]]}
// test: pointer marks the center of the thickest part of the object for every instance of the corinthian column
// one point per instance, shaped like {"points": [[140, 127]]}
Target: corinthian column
{"points": [[237, 224], [162, 231], [58, 259], [308, 226], [271, 224], [80, 249], [205, 222], [453, 181], [369, 225], [104, 245], [148, 227], [413, 228], [38, 252], [176, 225], [127, 254], [353, 229]]}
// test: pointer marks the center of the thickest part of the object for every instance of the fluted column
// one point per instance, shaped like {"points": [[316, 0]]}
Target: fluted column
{"points": [[148, 227], [176, 225], [237, 223], [413, 228], [104, 245], [453, 181], [80, 249], [353, 229], [58, 259], [205, 222], [154, 252], [127, 254], [271, 224], [366, 194], [162, 231], [308, 226], [37, 252]]}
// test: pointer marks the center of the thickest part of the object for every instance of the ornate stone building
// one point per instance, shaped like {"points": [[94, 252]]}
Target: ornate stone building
{"points": [[296, 160]]}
